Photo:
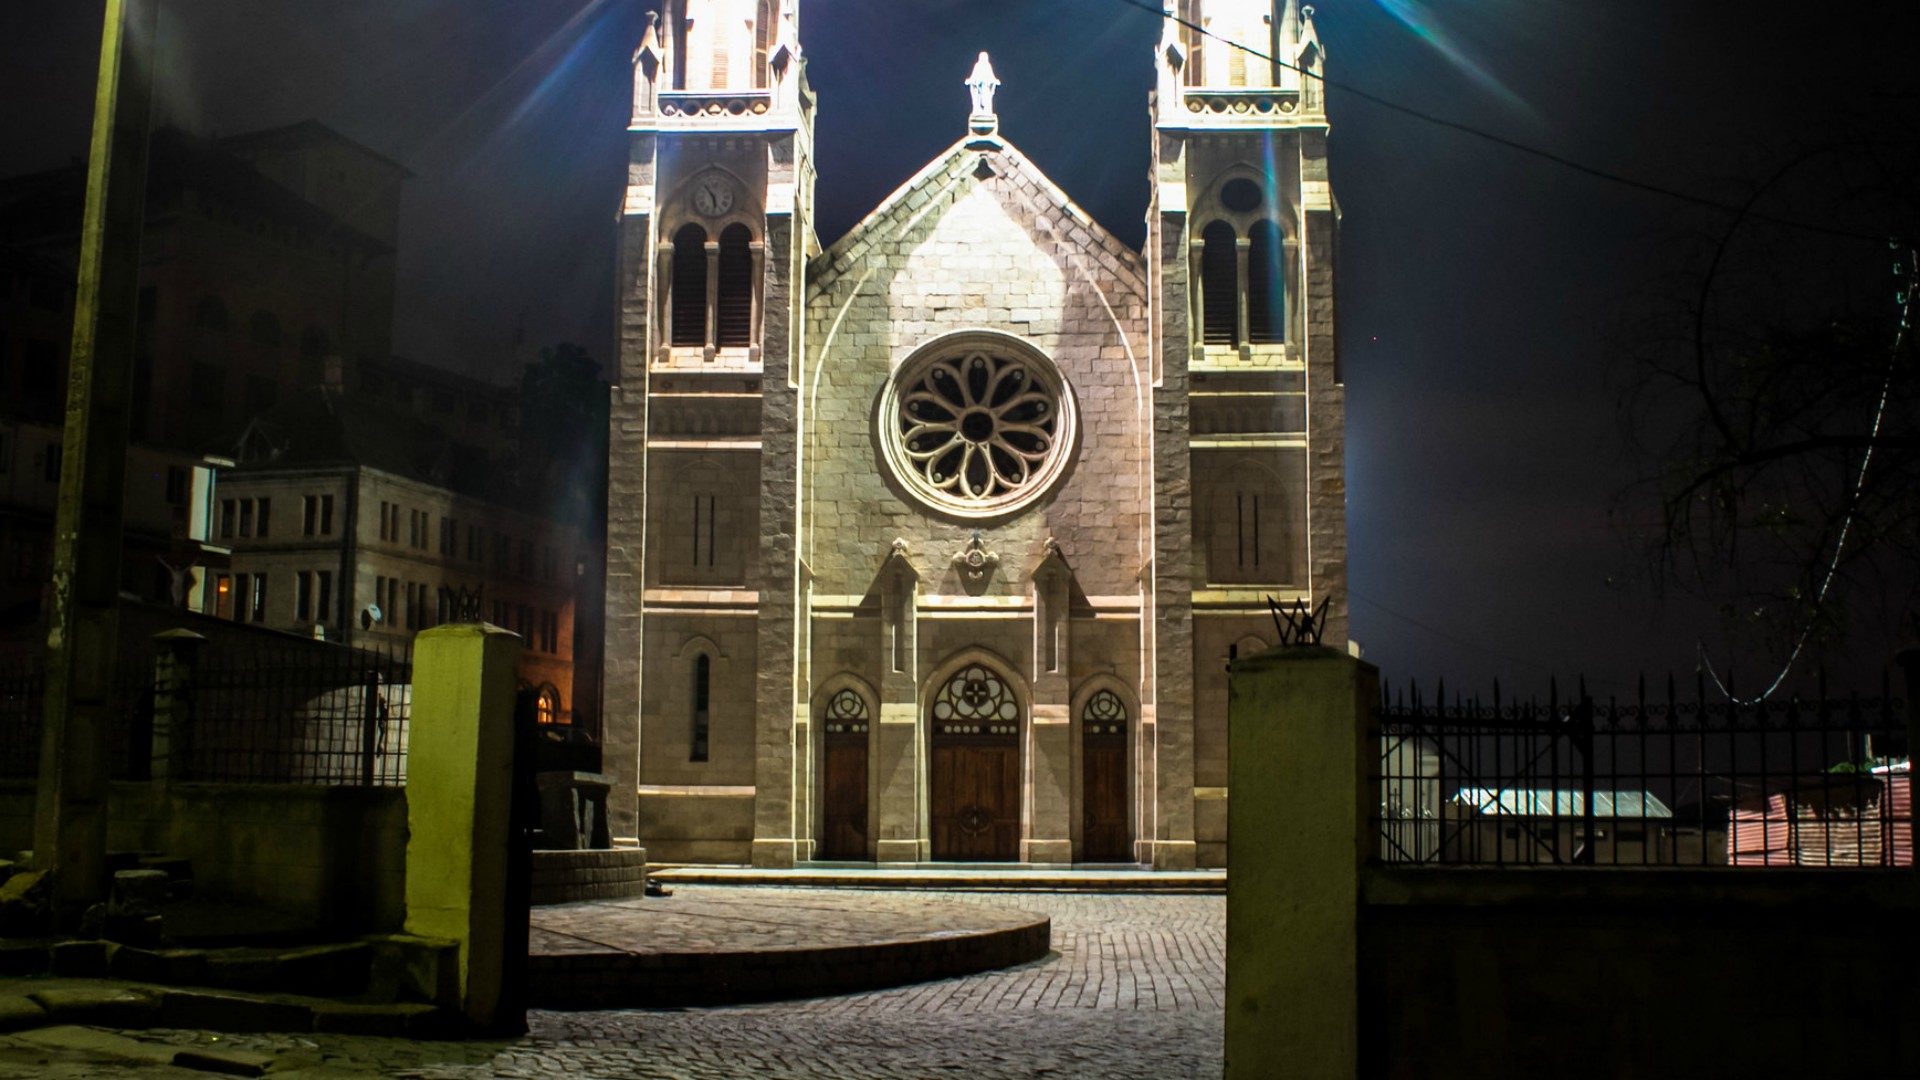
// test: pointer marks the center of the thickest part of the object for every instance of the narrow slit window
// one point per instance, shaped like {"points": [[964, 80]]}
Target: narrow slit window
{"points": [[702, 698]]}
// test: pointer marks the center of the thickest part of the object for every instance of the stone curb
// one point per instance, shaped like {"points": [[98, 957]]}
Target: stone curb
{"points": [[605, 980]]}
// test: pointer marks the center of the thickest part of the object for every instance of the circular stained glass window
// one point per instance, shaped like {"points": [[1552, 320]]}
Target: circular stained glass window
{"points": [[977, 426]]}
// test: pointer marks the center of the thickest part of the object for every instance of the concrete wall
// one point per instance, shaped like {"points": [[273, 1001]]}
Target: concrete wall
{"points": [[336, 856], [1527, 973]]}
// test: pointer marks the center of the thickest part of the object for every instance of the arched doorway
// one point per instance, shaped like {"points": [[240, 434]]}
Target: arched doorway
{"points": [[844, 724], [1106, 833], [974, 770]]}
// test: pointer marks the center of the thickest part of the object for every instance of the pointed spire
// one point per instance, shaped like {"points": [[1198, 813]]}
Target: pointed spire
{"points": [[982, 84]]}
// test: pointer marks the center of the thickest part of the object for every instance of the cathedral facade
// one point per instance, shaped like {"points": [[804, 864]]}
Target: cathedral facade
{"points": [[934, 544]]}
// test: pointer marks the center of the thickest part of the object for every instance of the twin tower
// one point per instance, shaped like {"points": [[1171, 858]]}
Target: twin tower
{"points": [[933, 545]]}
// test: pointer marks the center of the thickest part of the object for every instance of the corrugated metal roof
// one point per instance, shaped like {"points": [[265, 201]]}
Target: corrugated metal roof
{"points": [[1546, 802]]}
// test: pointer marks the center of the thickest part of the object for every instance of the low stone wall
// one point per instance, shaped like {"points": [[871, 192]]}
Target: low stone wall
{"points": [[569, 877], [333, 855], [1524, 973]]}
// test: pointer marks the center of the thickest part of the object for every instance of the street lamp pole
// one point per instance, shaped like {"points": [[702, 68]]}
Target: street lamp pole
{"points": [[70, 812]]}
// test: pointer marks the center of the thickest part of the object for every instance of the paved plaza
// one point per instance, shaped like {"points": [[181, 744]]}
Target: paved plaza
{"points": [[1133, 988]]}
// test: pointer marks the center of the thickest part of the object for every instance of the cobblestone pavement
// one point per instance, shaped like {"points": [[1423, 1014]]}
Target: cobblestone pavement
{"points": [[1133, 989]]}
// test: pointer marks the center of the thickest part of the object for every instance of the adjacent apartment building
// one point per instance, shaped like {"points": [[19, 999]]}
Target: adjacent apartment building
{"points": [[355, 519]]}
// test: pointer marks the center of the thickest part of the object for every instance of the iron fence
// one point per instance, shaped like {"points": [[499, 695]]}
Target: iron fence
{"points": [[22, 698], [1658, 780], [334, 717]]}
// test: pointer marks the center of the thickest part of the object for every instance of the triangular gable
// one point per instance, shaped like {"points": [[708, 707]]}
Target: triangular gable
{"points": [[898, 210]]}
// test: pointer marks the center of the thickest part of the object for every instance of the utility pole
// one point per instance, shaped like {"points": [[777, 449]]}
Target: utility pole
{"points": [[70, 813]]}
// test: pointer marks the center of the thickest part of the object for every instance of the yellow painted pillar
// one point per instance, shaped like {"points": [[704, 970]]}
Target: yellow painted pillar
{"points": [[1297, 828], [460, 749]]}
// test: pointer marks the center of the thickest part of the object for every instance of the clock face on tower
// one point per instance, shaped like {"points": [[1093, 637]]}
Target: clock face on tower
{"points": [[712, 196]]}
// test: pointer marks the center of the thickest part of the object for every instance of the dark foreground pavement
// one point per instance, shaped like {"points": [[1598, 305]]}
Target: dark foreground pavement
{"points": [[1132, 989]]}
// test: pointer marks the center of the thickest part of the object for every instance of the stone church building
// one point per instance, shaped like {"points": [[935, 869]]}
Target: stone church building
{"points": [[933, 544]]}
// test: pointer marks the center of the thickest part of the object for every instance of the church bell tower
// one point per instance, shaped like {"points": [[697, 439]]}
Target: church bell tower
{"points": [[701, 568], [1248, 387]]}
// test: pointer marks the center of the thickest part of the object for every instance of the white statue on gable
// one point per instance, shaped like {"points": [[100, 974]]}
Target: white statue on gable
{"points": [[983, 82]]}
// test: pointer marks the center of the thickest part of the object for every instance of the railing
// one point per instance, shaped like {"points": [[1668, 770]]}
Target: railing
{"points": [[22, 699], [319, 714], [335, 718], [1655, 781]]}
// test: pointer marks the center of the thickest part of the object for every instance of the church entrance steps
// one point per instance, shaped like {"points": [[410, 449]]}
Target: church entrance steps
{"points": [[727, 946], [948, 877]]}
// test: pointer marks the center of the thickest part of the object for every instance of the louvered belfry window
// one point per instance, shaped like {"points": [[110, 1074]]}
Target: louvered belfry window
{"points": [[1219, 286], [690, 286], [1266, 285], [734, 319]]}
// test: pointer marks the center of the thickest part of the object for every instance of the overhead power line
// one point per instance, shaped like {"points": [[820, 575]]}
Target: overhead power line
{"points": [[1608, 175]]}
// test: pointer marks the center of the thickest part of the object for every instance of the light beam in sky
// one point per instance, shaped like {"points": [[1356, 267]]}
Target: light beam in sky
{"points": [[1420, 18]]}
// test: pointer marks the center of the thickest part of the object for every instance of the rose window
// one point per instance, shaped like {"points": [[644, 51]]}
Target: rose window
{"points": [[979, 427]]}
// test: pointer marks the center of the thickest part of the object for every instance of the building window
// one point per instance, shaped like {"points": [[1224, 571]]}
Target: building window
{"points": [[702, 699], [266, 518], [448, 532], [546, 706], [303, 597], [976, 701], [227, 518], [733, 311], [689, 307], [1266, 285], [246, 517], [1104, 714], [979, 425], [1219, 285], [703, 530], [502, 553]]}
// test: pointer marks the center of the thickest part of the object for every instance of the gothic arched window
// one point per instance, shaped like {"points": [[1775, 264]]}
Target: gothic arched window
{"points": [[689, 307], [1196, 43], [1219, 285], [1266, 285], [702, 701], [733, 314], [763, 23]]}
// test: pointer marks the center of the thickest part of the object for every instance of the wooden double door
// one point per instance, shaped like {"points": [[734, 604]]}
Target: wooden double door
{"points": [[973, 768], [974, 803]]}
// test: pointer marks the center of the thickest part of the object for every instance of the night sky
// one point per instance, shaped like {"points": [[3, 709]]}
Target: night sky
{"points": [[1483, 293]]}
